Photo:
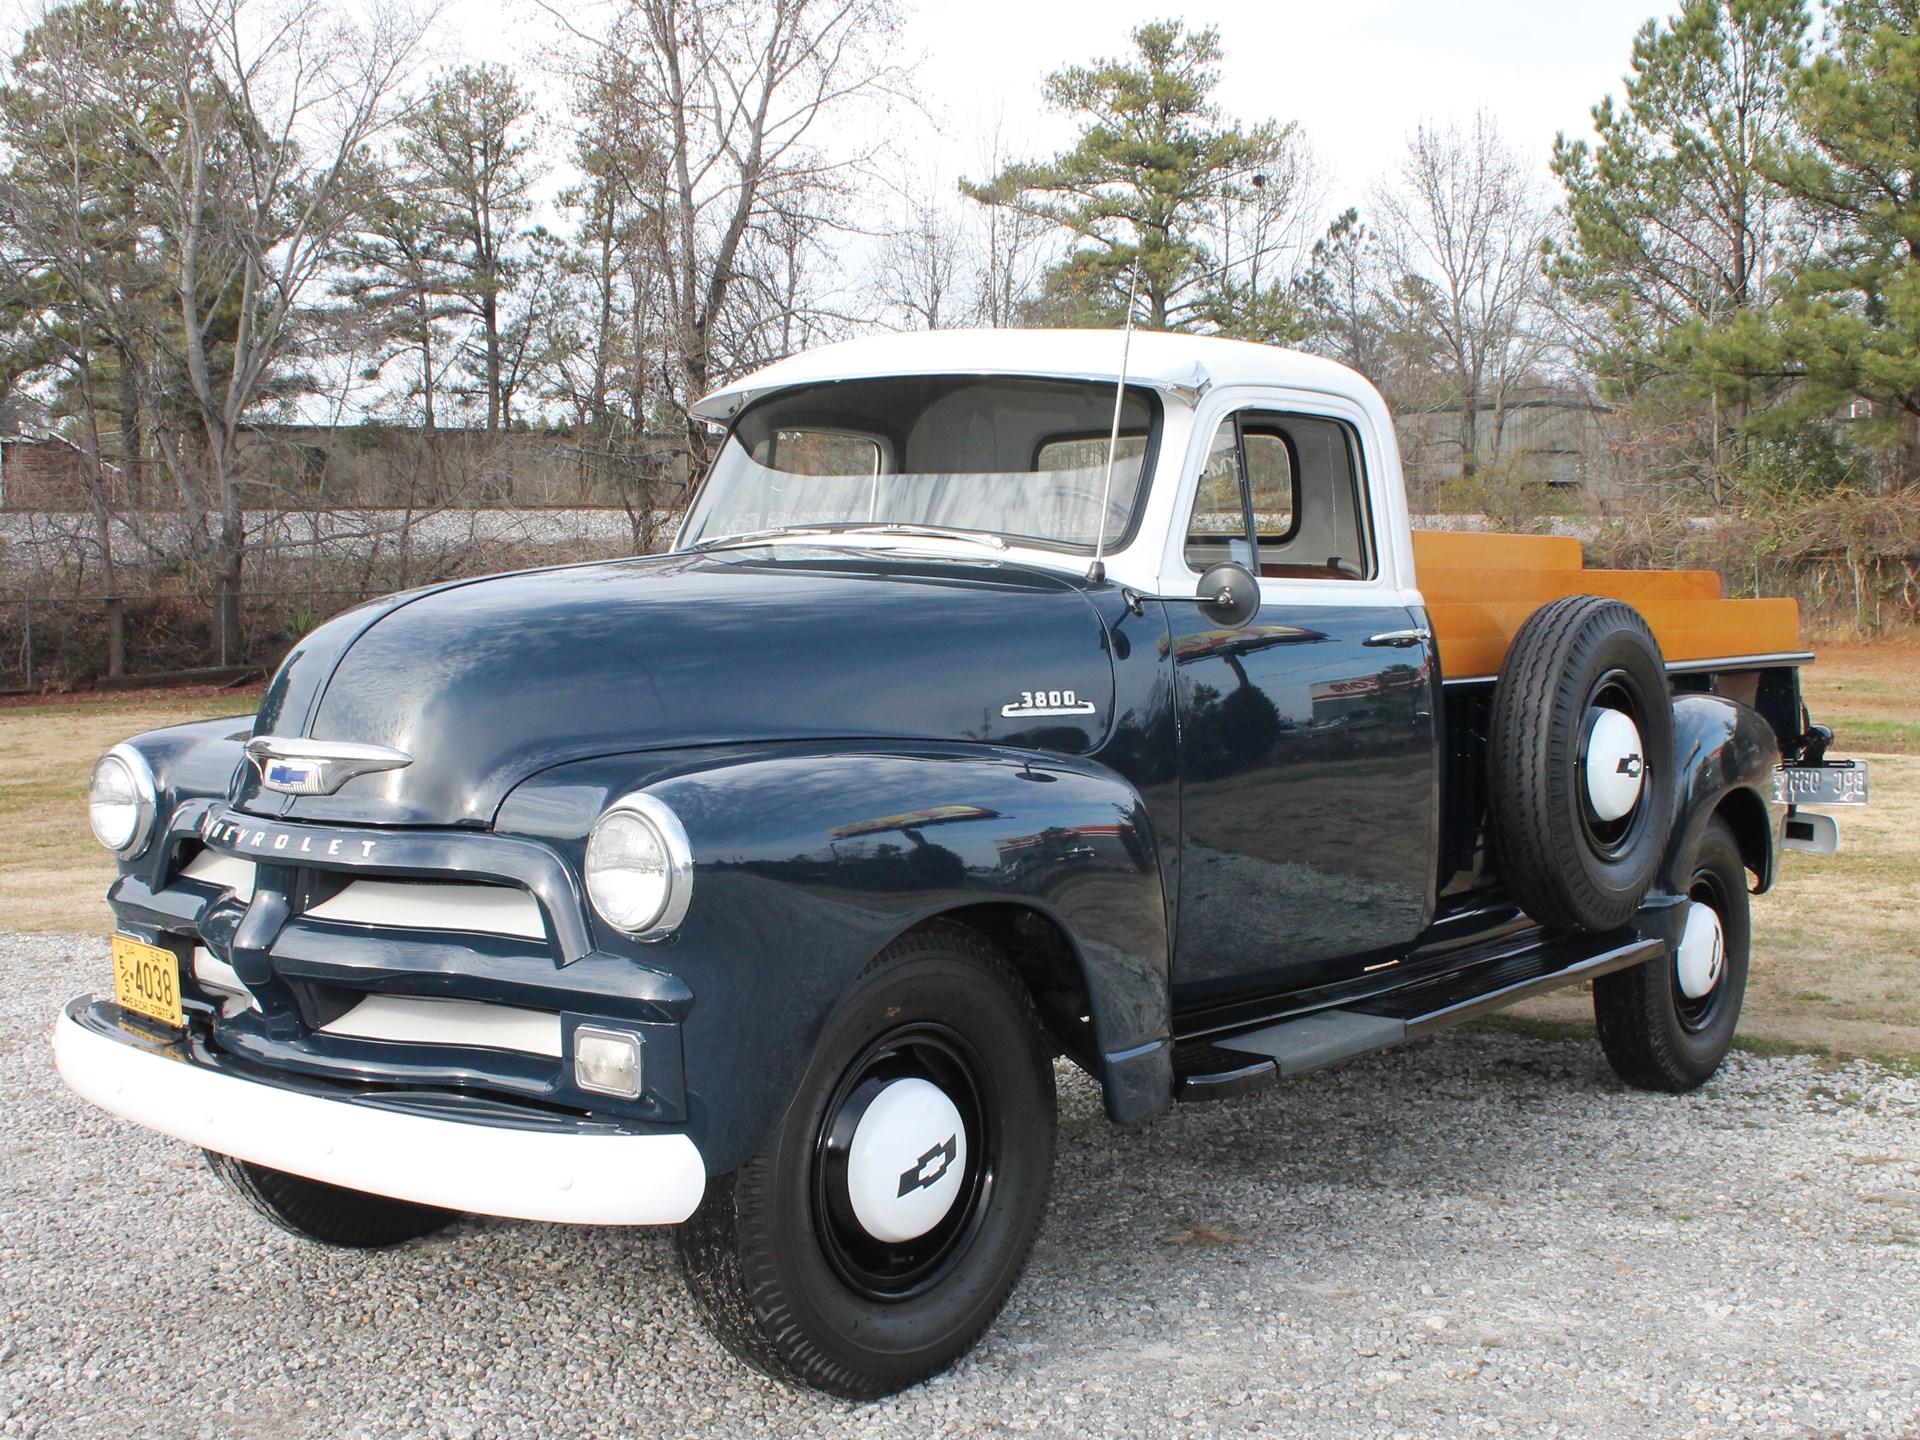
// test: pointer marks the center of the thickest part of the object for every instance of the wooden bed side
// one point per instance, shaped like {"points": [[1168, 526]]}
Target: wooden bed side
{"points": [[1481, 588]]}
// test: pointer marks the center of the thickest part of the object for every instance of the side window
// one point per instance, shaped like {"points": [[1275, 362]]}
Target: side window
{"points": [[1088, 453], [1271, 478], [1217, 529], [1298, 478], [818, 452]]}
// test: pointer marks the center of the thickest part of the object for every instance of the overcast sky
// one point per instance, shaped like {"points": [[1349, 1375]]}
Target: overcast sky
{"points": [[1357, 75]]}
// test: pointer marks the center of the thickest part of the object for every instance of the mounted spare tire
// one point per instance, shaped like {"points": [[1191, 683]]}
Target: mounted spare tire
{"points": [[1580, 764]]}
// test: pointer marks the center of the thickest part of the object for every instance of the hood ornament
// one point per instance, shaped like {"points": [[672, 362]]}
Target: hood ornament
{"points": [[294, 766]]}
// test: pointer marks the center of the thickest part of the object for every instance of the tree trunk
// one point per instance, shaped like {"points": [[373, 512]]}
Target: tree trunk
{"points": [[231, 552], [428, 383], [132, 445], [490, 318], [1469, 432]]}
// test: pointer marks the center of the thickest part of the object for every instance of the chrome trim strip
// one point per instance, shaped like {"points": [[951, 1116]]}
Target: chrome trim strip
{"points": [[1742, 662], [1683, 667]]}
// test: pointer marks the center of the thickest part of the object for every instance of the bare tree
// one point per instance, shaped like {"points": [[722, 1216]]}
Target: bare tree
{"points": [[1461, 229], [729, 95], [944, 260], [1341, 290], [241, 130], [919, 269], [1012, 249], [1261, 235]]}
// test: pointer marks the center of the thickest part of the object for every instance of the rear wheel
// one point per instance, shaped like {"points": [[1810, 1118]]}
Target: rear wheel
{"points": [[1667, 1024], [874, 1239], [315, 1210]]}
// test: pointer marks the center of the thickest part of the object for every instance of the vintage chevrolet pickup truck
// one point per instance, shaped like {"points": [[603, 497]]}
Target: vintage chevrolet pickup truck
{"points": [[1005, 697]]}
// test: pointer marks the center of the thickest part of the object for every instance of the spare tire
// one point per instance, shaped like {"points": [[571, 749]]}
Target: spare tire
{"points": [[1580, 770]]}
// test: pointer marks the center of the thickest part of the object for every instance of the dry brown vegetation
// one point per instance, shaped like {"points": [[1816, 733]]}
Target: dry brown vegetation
{"points": [[53, 874], [1837, 941]]}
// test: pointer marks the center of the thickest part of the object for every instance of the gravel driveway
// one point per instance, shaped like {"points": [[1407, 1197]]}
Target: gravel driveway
{"points": [[1482, 1234]]}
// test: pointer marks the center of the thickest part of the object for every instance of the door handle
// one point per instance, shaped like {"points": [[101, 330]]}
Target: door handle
{"points": [[1400, 638]]}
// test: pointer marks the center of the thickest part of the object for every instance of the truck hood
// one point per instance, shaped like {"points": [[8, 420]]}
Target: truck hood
{"points": [[486, 682]]}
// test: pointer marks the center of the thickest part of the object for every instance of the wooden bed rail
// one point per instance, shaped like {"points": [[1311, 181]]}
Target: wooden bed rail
{"points": [[1480, 589]]}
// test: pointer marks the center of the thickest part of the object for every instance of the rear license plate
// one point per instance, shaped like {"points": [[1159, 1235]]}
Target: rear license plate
{"points": [[146, 980], [1820, 784]]}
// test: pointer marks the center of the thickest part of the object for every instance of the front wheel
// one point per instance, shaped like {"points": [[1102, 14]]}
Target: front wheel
{"points": [[874, 1239], [315, 1210], [1667, 1024]]}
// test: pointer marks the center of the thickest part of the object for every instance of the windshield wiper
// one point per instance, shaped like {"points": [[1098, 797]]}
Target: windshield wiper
{"points": [[935, 532], [877, 527], [747, 537]]}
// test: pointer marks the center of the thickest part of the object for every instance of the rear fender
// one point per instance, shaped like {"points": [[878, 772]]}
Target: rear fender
{"points": [[1725, 754]]}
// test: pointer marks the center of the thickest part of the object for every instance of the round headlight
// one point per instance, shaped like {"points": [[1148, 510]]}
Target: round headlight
{"points": [[121, 801], [640, 867]]}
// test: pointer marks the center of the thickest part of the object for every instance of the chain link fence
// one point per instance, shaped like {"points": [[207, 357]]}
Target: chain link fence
{"points": [[51, 643]]}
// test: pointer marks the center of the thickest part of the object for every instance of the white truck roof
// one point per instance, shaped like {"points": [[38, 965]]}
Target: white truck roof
{"points": [[1181, 364]]}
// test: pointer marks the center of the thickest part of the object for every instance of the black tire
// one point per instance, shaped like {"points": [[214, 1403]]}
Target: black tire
{"points": [[1654, 1035], [1573, 661], [785, 1275], [315, 1210]]}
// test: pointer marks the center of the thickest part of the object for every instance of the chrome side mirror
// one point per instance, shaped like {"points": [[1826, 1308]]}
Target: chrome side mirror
{"points": [[1228, 595]]}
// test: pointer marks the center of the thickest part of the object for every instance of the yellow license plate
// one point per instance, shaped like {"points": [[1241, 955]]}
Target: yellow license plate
{"points": [[146, 980]]}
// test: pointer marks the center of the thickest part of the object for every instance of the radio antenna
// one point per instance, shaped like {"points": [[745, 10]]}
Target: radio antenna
{"points": [[1097, 571]]}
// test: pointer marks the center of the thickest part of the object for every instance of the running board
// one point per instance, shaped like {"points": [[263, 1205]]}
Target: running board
{"points": [[1236, 1064]]}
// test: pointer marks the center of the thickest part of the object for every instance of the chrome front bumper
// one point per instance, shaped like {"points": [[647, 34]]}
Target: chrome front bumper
{"points": [[483, 1165]]}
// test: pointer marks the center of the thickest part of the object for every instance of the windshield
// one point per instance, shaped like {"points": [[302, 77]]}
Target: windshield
{"points": [[1017, 458]]}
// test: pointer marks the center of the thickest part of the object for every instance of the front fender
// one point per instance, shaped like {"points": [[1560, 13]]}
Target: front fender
{"points": [[195, 761], [810, 860], [1724, 755]]}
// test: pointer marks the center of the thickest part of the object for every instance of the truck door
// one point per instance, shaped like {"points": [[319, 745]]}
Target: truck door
{"points": [[1307, 742]]}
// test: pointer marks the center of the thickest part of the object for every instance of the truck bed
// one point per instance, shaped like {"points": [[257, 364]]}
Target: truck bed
{"points": [[1480, 589]]}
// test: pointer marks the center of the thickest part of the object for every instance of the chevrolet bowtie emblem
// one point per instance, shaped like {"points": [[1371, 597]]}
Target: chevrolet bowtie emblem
{"points": [[294, 766], [930, 1166]]}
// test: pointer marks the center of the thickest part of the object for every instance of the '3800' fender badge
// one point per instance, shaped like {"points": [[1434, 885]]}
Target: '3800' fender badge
{"points": [[1047, 702]]}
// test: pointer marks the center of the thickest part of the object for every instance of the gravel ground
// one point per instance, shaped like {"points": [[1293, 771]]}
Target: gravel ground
{"points": [[1483, 1234]]}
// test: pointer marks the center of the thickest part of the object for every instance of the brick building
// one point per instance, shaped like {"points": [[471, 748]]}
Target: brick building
{"points": [[49, 474]]}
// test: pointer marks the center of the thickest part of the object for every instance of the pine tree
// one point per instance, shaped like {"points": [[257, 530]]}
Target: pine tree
{"points": [[1156, 173], [470, 156], [1670, 217], [1848, 327]]}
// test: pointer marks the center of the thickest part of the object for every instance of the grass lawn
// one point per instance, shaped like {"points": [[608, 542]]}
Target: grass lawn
{"points": [[1836, 943], [53, 873]]}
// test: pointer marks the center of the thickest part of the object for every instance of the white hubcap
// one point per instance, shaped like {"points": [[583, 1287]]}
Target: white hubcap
{"points": [[1616, 766], [906, 1161], [1703, 951]]}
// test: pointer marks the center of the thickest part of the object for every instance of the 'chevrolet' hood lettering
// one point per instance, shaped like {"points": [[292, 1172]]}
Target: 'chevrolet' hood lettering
{"points": [[224, 834]]}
